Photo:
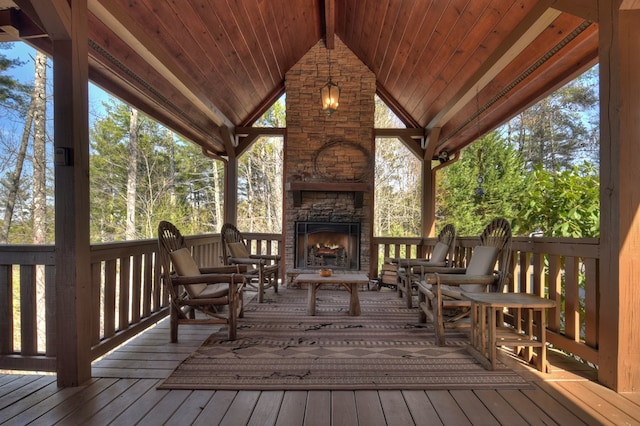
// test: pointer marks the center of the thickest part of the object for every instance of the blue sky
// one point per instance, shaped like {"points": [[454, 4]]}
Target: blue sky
{"points": [[24, 73]]}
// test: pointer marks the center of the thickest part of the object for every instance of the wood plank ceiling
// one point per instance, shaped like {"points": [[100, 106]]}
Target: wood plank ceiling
{"points": [[206, 67]]}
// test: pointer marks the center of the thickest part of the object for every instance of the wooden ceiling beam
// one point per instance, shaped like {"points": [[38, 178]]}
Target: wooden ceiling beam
{"points": [[525, 33], [55, 16], [587, 9], [119, 22], [329, 23]]}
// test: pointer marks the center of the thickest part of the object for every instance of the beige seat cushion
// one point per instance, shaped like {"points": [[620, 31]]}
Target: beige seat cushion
{"points": [[185, 265], [483, 261], [439, 253], [238, 250]]}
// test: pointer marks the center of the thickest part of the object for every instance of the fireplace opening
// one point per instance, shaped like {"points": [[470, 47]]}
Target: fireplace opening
{"points": [[327, 244]]}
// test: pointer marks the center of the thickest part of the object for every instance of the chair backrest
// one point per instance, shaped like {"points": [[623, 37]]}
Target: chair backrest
{"points": [[446, 237], [169, 240], [230, 235], [497, 234]]}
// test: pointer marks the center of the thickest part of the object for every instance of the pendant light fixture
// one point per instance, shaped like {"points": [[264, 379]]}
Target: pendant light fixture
{"points": [[330, 93]]}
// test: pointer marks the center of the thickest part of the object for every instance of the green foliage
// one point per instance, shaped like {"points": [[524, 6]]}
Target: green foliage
{"points": [[561, 204], [175, 181], [470, 204]]}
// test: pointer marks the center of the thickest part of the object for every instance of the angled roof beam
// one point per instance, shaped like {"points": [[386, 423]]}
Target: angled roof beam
{"points": [[587, 9], [120, 23], [526, 32]]}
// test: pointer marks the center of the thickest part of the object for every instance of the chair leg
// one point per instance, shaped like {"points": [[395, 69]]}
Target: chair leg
{"points": [[438, 322], [173, 324], [422, 302]]}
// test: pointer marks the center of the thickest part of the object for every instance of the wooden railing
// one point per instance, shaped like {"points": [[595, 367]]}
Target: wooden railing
{"points": [[128, 296], [562, 269]]}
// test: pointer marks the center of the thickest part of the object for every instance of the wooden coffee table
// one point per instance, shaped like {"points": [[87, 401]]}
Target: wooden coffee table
{"points": [[348, 281]]}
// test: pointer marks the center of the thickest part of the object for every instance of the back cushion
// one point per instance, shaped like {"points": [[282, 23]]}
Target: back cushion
{"points": [[482, 262], [439, 253], [185, 265], [238, 250]]}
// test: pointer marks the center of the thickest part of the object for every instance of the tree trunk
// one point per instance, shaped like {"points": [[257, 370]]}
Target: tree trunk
{"points": [[39, 102], [132, 175]]}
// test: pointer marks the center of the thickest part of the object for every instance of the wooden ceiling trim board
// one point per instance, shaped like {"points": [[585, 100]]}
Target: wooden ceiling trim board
{"points": [[182, 27], [104, 77], [215, 62], [330, 23], [427, 69], [371, 12], [118, 21], [138, 73], [351, 23], [536, 22], [462, 62], [386, 30], [405, 24], [271, 37], [133, 91], [542, 69], [264, 105], [236, 27], [399, 29], [418, 60], [55, 16], [408, 47], [265, 47]]}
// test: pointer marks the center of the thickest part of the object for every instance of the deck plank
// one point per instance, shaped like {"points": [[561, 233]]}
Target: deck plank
{"points": [[473, 407], [369, 408], [527, 408], [293, 408], [241, 408], [343, 408], [395, 408], [318, 410], [500, 409], [165, 408], [75, 401], [140, 407], [447, 408], [267, 408], [20, 392], [216, 408], [123, 401], [191, 408], [420, 407], [8, 389]]}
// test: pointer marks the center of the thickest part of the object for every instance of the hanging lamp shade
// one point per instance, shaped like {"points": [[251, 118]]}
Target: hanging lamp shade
{"points": [[330, 95]]}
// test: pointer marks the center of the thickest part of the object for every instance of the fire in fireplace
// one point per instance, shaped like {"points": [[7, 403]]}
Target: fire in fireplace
{"points": [[328, 244]]}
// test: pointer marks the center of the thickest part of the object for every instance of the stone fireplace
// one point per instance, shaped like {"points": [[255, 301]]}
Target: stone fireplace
{"points": [[329, 166], [334, 245]]}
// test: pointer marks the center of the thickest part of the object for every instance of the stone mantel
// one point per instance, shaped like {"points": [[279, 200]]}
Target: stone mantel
{"points": [[297, 188]]}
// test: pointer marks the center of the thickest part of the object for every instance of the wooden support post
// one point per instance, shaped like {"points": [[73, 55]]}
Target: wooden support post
{"points": [[67, 26], [429, 186], [619, 345]]}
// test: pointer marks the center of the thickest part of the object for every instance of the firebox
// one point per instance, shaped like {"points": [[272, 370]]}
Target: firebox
{"points": [[330, 244]]}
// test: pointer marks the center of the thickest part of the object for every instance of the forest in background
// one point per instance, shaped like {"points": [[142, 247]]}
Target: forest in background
{"points": [[540, 170]]}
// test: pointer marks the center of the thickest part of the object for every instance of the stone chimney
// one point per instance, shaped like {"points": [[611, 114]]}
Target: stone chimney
{"points": [[329, 160]]}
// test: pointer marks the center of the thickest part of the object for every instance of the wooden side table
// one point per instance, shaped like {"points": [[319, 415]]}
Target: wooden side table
{"points": [[487, 335], [348, 281]]}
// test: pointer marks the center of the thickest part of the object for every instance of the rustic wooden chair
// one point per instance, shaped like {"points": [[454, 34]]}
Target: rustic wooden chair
{"points": [[410, 271], [263, 269], [194, 289], [440, 289]]}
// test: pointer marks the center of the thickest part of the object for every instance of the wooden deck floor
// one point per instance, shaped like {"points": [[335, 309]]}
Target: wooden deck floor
{"points": [[123, 392]]}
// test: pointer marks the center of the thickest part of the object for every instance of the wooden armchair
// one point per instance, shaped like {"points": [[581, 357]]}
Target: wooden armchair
{"points": [[440, 289], [263, 270], [193, 289], [410, 271]]}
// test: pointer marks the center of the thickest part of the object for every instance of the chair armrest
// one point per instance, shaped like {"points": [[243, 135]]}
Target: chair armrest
{"points": [[275, 257], [206, 279], [229, 269], [246, 261], [440, 270], [459, 279]]}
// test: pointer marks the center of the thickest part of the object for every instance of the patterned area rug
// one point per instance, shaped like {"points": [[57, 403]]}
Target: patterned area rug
{"points": [[280, 347]]}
